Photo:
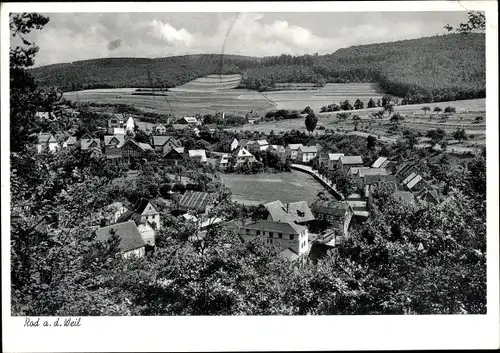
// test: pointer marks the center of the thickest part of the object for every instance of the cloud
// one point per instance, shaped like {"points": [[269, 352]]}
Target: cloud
{"points": [[171, 35], [70, 37]]}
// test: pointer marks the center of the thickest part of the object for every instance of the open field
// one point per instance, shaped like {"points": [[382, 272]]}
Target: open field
{"points": [[210, 83], [210, 94], [262, 188]]}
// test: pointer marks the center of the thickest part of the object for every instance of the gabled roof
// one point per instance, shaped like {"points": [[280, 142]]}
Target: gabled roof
{"points": [[272, 226], [145, 146], [189, 119], [198, 153], [130, 238], [335, 156], [176, 151], [300, 211], [378, 163], [161, 140], [355, 170], [408, 178], [335, 208], [141, 205], [308, 149], [262, 142], [195, 200], [241, 151], [85, 144], [244, 142], [160, 126], [46, 138], [348, 160], [294, 146], [71, 140], [109, 138]]}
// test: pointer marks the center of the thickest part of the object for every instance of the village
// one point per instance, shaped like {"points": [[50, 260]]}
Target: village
{"points": [[298, 229]]}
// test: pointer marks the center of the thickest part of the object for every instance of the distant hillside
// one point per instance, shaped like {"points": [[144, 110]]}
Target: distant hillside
{"points": [[439, 68], [436, 68], [139, 72]]}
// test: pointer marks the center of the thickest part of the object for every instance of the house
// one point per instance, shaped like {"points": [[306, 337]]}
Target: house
{"points": [[112, 212], [87, 142], [160, 129], [358, 205], [188, 120], [292, 150], [333, 160], [336, 213], [133, 149], [287, 235], [95, 152], [257, 145], [145, 126], [50, 116], [234, 145], [146, 217], [406, 170], [130, 243], [224, 161], [195, 201], [306, 153], [383, 162], [241, 156], [367, 176], [174, 157], [116, 124], [112, 146], [198, 155], [70, 142], [278, 149], [346, 162], [427, 195], [297, 212], [46, 142], [163, 144]]}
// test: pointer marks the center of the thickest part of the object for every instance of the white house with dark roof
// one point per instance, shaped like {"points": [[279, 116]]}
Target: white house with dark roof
{"points": [[292, 149], [297, 212], [160, 129], [241, 156], [146, 217], [306, 153], [46, 142], [287, 235], [86, 142], [130, 243]]}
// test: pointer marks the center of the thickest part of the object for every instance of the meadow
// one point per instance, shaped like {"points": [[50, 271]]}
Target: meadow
{"points": [[262, 188], [214, 93]]}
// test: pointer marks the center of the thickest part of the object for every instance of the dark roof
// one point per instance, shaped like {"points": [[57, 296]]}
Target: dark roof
{"points": [[175, 153], [141, 205], [195, 200], [86, 143], [335, 208], [161, 140], [109, 138], [347, 160], [130, 238], [130, 216]]}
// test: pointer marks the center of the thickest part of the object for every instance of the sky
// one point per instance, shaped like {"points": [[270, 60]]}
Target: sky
{"points": [[79, 36]]}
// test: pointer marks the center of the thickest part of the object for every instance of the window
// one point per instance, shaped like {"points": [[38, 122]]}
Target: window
{"points": [[258, 232], [270, 234], [280, 235], [291, 236], [247, 231]]}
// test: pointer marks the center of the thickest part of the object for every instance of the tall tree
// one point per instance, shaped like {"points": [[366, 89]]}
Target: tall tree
{"points": [[311, 121]]}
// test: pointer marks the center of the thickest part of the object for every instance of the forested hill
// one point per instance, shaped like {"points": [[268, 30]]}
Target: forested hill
{"points": [[440, 68], [443, 67], [139, 72]]}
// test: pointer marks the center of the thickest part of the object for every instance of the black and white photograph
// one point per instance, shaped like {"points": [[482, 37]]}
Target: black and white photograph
{"points": [[173, 162]]}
